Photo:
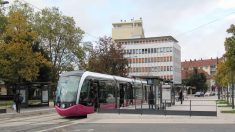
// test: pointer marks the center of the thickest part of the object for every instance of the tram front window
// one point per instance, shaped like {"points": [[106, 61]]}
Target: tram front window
{"points": [[67, 88]]}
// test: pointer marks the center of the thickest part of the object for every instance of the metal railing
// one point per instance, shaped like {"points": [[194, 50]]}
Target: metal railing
{"points": [[188, 108]]}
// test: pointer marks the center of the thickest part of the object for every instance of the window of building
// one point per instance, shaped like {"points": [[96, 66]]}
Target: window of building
{"points": [[170, 49], [158, 50], [155, 50], [148, 50], [149, 60], [145, 51], [170, 58], [151, 50]]}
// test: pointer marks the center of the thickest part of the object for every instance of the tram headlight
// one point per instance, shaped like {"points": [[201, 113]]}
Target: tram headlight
{"points": [[63, 105]]}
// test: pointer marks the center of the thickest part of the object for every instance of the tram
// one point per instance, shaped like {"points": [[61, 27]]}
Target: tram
{"points": [[82, 92]]}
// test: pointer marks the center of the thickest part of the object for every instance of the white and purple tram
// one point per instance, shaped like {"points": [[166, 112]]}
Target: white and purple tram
{"points": [[82, 92]]}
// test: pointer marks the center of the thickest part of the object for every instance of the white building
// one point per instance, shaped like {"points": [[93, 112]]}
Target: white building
{"points": [[154, 56], [151, 56]]}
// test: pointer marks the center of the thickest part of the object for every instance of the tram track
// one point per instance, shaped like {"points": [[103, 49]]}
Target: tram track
{"points": [[50, 126], [24, 119], [32, 124]]}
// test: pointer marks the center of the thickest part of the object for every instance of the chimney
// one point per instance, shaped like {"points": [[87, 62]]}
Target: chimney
{"points": [[185, 61], [121, 20], [211, 58], [194, 59], [190, 60], [201, 58]]}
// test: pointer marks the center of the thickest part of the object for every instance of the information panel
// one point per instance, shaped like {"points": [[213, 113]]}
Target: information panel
{"points": [[45, 96]]}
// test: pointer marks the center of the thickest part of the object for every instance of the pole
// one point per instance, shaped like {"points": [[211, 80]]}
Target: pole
{"points": [[232, 90], [216, 81]]}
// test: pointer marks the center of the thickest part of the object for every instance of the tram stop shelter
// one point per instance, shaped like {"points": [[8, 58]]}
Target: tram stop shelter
{"points": [[34, 93], [164, 91]]}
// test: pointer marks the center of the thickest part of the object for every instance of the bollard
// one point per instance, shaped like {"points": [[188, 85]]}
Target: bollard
{"points": [[190, 109], [165, 107], [141, 107], [216, 107]]}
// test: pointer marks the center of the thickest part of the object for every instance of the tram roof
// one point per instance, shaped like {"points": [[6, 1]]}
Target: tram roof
{"points": [[72, 73], [101, 76]]}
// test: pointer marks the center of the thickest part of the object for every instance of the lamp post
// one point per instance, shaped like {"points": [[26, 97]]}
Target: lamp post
{"points": [[232, 90]]}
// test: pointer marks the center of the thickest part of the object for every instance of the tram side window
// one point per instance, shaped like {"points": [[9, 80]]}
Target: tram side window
{"points": [[106, 92], [84, 94]]}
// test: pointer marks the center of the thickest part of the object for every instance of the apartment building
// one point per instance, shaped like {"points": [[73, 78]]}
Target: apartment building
{"points": [[206, 66], [149, 56]]}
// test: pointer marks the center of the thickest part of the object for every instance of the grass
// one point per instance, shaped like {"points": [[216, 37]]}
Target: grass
{"points": [[6, 104], [227, 111], [227, 105], [221, 102]]}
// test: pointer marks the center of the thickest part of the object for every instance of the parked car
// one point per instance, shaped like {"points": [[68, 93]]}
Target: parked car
{"points": [[212, 94], [199, 94], [207, 94]]}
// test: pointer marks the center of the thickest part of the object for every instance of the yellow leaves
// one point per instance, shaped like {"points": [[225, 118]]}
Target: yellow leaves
{"points": [[18, 28], [222, 76], [18, 62], [21, 62]]}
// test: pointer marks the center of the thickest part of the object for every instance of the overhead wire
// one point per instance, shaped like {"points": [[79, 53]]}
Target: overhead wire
{"points": [[180, 34], [205, 24]]}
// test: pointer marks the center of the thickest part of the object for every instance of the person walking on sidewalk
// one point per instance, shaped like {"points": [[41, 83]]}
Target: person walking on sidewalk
{"points": [[181, 96], [151, 98], [18, 100]]}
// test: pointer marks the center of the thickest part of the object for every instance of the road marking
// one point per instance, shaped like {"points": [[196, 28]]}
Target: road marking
{"points": [[89, 130], [73, 123]]}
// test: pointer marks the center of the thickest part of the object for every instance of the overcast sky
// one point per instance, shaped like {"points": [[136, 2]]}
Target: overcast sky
{"points": [[199, 25]]}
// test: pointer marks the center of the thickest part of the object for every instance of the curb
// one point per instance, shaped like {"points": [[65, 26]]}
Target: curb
{"points": [[28, 113]]}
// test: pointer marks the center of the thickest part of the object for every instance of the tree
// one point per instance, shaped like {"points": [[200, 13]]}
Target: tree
{"points": [[18, 62], [222, 77], [230, 49], [108, 58], [60, 39], [198, 80]]}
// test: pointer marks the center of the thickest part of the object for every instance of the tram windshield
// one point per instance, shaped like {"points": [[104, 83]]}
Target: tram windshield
{"points": [[67, 89]]}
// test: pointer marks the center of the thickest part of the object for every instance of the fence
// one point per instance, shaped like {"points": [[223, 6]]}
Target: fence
{"points": [[187, 108]]}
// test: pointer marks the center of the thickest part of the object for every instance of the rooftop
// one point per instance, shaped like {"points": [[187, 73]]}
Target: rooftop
{"points": [[149, 38], [199, 63]]}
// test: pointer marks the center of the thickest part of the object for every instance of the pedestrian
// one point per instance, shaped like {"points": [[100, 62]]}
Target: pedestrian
{"points": [[181, 96], [151, 99], [18, 100], [122, 94]]}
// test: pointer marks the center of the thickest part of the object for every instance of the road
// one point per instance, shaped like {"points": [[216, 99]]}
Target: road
{"points": [[52, 122]]}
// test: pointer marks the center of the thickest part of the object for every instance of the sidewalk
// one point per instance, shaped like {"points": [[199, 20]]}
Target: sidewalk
{"points": [[28, 111]]}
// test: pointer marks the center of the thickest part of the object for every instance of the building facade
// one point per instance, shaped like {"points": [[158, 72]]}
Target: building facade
{"points": [[127, 30], [153, 56], [206, 66], [148, 56]]}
